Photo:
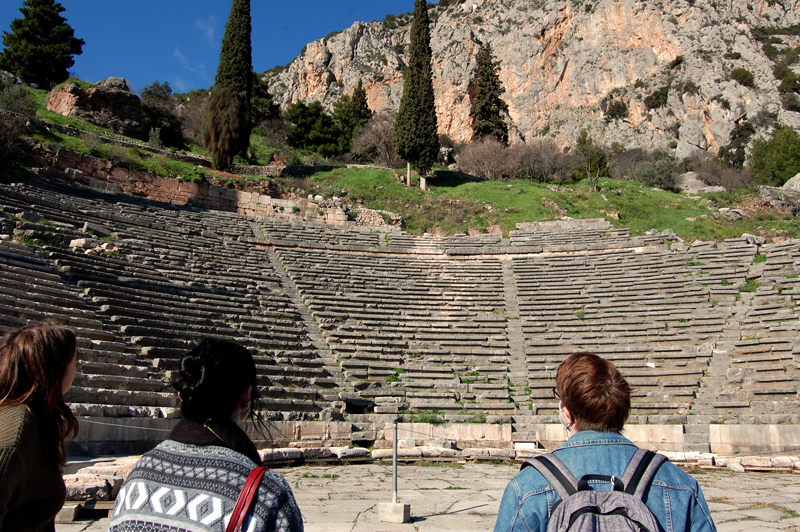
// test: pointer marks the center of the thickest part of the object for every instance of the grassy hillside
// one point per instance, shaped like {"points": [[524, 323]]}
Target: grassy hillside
{"points": [[457, 203]]}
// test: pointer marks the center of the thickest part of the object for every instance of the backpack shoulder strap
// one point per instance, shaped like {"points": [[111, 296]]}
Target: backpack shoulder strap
{"points": [[556, 473], [640, 472]]}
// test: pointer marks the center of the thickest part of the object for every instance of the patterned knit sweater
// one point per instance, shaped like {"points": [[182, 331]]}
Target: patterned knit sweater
{"points": [[181, 486], [31, 491]]}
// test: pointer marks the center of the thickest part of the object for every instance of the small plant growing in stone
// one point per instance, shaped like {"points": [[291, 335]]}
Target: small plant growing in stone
{"points": [[750, 286]]}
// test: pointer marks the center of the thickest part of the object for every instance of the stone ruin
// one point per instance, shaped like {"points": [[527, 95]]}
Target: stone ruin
{"points": [[354, 328]]}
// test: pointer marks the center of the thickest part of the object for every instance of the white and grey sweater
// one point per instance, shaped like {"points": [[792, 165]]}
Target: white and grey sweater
{"points": [[182, 487]]}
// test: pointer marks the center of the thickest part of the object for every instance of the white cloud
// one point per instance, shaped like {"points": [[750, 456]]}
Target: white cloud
{"points": [[180, 85], [198, 70], [208, 30]]}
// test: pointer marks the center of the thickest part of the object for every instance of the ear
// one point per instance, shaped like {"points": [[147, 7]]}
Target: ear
{"points": [[567, 416], [246, 396]]}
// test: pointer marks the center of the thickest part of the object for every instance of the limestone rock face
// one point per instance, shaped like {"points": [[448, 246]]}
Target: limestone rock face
{"points": [[108, 104], [692, 183], [793, 184], [560, 61]]}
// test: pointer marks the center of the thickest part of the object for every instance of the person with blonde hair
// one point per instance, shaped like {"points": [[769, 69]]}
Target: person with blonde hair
{"points": [[37, 367]]}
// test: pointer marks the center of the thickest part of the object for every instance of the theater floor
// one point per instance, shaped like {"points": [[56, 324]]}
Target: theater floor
{"points": [[447, 497]]}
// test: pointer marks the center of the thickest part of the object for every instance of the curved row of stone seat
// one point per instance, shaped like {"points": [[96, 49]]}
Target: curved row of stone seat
{"points": [[409, 327], [314, 235], [162, 290], [109, 373], [645, 311], [572, 235], [764, 372], [427, 332]]}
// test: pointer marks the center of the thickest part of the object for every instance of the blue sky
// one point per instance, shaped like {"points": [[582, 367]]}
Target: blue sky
{"points": [[179, 40]]}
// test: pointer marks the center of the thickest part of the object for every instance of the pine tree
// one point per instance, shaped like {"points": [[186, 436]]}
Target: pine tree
{"points": [[314, 129], [228, 124], [41, 45], [350, 115], [416, 132], [262, 105], [487, 106]]}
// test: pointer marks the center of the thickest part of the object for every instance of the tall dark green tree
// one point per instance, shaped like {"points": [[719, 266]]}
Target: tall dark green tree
{"points": [[314, 129], [228, 123], [350, 115], [262, 105], [416, 132], [487, 106], [41, 45]]}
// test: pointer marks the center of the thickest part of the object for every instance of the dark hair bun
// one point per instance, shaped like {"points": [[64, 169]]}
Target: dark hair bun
{"points": [[212, 378], [191, 371]]}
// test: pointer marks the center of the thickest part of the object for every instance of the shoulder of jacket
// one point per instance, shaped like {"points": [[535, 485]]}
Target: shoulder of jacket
{"points": [[16, 424], [209, 452]]}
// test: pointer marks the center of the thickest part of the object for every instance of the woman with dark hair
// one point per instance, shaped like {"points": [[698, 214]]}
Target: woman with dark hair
{"points": [[37, 367], [595, 401], [192, 480]]}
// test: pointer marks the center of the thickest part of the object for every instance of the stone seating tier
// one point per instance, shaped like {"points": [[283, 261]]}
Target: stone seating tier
{"points": [[395, 301]]}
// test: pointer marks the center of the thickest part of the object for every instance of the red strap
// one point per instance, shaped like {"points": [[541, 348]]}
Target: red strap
{"points": [[245, 499]]}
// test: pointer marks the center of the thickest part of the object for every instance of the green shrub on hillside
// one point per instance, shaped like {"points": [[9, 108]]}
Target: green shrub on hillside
{"points": [[16, 99], [616, 110], [775, 160], [659, 172], [657, 98], [314, 129], [743, 77], [733, 154]]}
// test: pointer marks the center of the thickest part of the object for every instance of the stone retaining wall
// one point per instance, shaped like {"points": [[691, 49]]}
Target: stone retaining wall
{"points": [[103, 435]]}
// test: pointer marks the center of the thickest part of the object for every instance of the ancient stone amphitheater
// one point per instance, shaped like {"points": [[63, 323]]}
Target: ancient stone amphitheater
{"points": [[355, 327]]}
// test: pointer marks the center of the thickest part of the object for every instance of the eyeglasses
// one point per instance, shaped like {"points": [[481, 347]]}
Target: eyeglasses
{"points": [[555, 394]]}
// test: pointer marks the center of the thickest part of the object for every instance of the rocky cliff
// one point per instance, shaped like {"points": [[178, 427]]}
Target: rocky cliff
{"points": [[563, 61], [109, 104]]}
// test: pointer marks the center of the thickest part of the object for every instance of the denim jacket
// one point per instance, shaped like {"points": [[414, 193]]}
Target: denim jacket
{"points": [[674, 497]]}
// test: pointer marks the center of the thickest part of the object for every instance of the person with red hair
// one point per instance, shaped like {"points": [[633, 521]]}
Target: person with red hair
{"points": [[37, 367], [595, 401]]}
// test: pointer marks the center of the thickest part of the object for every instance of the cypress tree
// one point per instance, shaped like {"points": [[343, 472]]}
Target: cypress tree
{"points": [[227, 126], [416, 132], [487, 105], [41, 45], [360, 102]]}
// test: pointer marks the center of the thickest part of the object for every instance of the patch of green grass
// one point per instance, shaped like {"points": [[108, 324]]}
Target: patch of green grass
{"points": [[750, 286], [759, 258], [131, 158], [433, 417], [443, 465]]}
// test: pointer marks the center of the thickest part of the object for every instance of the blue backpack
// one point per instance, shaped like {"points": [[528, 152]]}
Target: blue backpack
{"points": [[582, 509]]}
